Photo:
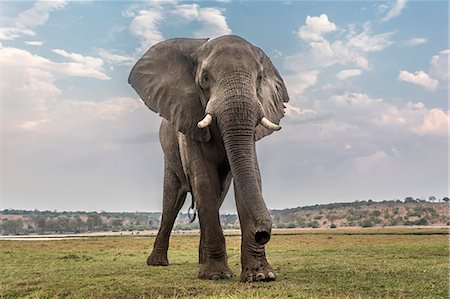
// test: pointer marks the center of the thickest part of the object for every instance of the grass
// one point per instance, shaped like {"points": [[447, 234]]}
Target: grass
{"points": [[310, 264]]}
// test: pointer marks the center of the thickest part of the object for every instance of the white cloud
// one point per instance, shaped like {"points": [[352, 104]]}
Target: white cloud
{"points": [[395, 10], [11, 33], [34, 43], [367, 42], [35, 75], [439, 67], [113, 58], [37, 15], [315, 28], [348, 73], [146, 22], [291, 110], [415, 41], [212, 20], [419, 78], [298, 83], [351, 50], [89, 62], [145, 27], [435, 122]]}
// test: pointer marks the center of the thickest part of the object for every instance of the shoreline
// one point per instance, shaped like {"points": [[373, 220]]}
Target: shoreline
{"points": [[153, 233]]}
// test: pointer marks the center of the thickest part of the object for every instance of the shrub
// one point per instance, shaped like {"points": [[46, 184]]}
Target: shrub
{"points": [[313, 224], [366, 223], [333, 225]]}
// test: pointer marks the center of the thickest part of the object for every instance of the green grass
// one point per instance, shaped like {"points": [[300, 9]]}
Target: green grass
{"points": [[309, 264]]}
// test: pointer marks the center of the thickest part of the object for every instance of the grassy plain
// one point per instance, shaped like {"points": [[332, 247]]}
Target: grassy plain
{"points": [[376, 263]]}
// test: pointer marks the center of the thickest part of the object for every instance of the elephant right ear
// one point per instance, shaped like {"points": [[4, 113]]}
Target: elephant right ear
{"points": [[164, 79]]}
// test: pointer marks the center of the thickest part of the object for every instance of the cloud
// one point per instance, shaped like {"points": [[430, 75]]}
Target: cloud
{"points": [[12, 33], [145, 27], [437, 75], [348, 73], [298, 83], [415, 41], [395, 10], [419, 78], [333, 142], [113, 58], [315, 28], [146, 22], [435, 122], [37, 15], [34, 43], [350, 50], [439, 67], [212, 20], [26, 71]]}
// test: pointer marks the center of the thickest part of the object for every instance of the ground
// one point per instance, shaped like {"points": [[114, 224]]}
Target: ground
{"points": [[393, 263]]}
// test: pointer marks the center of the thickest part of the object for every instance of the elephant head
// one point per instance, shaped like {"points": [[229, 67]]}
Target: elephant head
{"points": [[225, 82]]}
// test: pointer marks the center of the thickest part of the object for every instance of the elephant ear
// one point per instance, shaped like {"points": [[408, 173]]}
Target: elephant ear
{"points": [[164, 79], [272, 94]]}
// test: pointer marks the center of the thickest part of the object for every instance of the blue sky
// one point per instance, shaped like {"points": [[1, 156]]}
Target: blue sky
{"points": [[368, 116]]}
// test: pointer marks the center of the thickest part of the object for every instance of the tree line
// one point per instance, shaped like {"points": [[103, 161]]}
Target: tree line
{"points": [[368, 213]]}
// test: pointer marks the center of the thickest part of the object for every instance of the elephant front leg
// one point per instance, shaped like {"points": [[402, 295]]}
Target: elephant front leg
{"points": [[255, 266], [213, 256], [173, 199]]}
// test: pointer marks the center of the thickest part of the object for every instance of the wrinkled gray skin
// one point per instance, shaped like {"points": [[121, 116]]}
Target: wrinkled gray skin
{"points": [[234, 81]]}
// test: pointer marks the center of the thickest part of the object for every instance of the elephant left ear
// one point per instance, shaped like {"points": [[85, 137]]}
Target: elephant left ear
{"points": [[272, 94]]}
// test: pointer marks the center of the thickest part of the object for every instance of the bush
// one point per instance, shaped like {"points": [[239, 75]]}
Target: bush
{"points": [[366, 223], [421, 221], [333, 226], [313, 224], [376, 213]]}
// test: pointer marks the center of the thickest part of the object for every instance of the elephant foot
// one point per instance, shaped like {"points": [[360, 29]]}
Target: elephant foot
{"points": [[158, 259], [257, 269], [215, 270]]}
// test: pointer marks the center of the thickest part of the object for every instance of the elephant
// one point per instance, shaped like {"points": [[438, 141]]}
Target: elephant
{"points": [[217, 97]]}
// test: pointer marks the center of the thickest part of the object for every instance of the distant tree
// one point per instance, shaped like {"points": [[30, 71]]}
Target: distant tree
{"points": [[333, 225], [119, 222], [376, 213], [40, 223], [432, 198], [94, 222], [12, 227], [409, 199], [313, 224], [366, 223], [446, 199]]}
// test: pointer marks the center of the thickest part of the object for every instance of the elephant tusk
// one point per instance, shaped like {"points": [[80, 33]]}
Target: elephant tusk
{"points": [[269, 125], [206, 121]]}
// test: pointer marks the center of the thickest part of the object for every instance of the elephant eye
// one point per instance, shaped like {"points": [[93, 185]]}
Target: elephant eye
{"points": [[259, 79], [205, 77]]}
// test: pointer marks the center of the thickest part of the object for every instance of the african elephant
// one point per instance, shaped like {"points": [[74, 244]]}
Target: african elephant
{"points": [[217, 97]]}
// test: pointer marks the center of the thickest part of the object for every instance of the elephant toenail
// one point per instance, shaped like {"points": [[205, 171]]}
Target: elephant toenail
{"points": [[271, 275], [215, 277], [227, 275], [260, 276]]}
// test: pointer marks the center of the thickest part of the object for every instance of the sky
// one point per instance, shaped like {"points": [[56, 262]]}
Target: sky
{"points": [[367, 118]]}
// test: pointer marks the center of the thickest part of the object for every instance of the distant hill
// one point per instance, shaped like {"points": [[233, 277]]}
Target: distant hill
{"points": [[355, 214]]}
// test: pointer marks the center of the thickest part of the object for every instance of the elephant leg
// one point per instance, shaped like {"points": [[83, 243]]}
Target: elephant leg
{"points": [[224, 190], [173, 200], [213, 256], [255, 266]]}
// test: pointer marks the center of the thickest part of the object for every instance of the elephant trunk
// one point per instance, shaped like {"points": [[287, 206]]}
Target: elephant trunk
{"points": [[237, 118]]}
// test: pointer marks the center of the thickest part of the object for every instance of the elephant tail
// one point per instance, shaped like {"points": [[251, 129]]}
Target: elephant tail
{"points": [[194, 211]]}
